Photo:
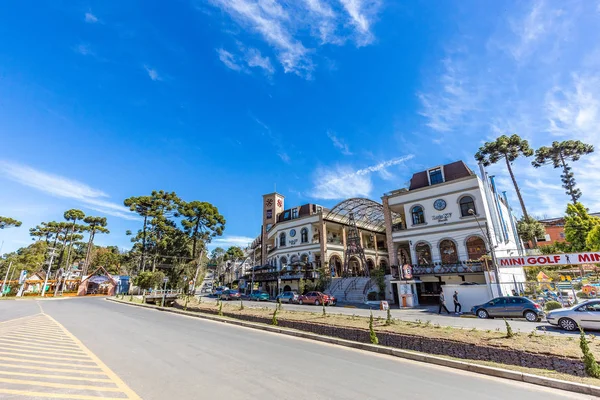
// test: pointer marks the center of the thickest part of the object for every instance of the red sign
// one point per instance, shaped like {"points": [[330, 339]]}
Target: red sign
{"points": [[407, 271], [550, 259]]}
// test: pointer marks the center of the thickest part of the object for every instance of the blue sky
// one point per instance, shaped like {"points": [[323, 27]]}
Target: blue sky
{"points": [[224, 100]]}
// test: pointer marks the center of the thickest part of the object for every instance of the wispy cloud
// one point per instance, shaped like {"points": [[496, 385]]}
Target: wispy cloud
{"points": [[255, 59], [152, 73], [274, 139], [63, 187], [84, 49], [344, 182], [228, 59], [284, 26], [90, 18], [227, 241], [536, 75], [339, 143]]}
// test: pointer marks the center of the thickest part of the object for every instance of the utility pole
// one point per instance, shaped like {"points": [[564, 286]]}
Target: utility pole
{"points": [[162, 304], [5, 277], [253, 266], [52, 254], [490, 244]]}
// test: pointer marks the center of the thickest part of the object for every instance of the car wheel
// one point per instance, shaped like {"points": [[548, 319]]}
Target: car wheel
{"points": [[483, 314], [317, 302], [530, 316], [301, 302], [567, 324]]}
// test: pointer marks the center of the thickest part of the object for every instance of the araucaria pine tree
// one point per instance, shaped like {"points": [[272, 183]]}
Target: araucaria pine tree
{"points": [[372, 333]]}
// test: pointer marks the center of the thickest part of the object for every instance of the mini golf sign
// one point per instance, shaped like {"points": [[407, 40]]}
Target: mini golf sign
{"points": [[550, 259]]}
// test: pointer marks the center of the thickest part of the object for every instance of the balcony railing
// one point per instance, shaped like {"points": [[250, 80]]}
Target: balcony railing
{"points": [[334, 241], [398, 227], [464, 267]]}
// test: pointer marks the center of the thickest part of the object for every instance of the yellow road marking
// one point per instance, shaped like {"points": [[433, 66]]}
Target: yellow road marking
{"points": [[50, 362], [59, 385], [34, 330], [55, 369], [126, 389], [54, 395], [60, 358], [48, 346], [39, 341], [27, 349], [73, 378], [43, 338]]}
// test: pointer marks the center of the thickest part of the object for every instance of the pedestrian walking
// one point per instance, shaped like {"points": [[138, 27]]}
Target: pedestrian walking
{"points": [[442, 305], [457, 306]]}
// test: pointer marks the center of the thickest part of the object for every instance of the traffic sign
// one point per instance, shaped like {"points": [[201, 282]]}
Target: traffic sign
{"points": [[165, 279]]}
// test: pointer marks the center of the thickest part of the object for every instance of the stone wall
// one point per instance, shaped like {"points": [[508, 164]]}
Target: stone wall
{"points": [[427, 345]]}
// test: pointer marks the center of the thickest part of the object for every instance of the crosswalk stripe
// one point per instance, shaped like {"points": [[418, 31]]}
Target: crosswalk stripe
{"points": [[69, 377], [59, 385], [54, 395]]}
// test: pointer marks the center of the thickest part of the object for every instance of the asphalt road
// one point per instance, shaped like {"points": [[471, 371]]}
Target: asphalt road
{"points": [[166, 356], [423, 315]]}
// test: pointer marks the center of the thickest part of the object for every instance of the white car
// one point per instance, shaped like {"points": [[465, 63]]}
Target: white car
{"points": [[585, 315]]}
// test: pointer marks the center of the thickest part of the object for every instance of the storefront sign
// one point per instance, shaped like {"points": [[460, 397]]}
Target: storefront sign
{"points": [[442, 217], [550, 259]]}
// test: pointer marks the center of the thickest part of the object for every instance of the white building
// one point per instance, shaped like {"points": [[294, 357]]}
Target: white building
{"points": [[439, 226]]}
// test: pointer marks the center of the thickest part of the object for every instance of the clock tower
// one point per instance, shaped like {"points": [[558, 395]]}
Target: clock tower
{"points": [[273, 205]]}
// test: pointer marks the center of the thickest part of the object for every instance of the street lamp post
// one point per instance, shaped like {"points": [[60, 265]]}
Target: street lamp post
{"points": [[5, 277], [488, 237], [52, 254]]}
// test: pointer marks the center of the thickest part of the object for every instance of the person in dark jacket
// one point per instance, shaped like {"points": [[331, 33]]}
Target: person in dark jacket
{"points": [[457, 306], [442, 305]]}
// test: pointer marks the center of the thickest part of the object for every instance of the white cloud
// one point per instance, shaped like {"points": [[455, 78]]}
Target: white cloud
{"points": [[284, 157], [339, 144], [84, 49], [227, 241], [90, 18], [59, 186], [229, 60], [284, 26], [255, 59], [152, 73], [343, 182]]}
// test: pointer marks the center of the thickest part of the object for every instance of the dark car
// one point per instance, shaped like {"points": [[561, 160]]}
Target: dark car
{"points": [[510, 307], [230, 294]]}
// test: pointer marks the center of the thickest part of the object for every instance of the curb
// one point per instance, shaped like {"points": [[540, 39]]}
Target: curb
{"points": [[409, 355]]}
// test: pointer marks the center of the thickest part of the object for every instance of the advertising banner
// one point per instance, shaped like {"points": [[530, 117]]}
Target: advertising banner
{"points": [[550, 259]]}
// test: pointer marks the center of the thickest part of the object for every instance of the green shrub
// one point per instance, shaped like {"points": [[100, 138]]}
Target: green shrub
{"points": [[372, 333], [591, 366], [509, 331], [274, 320], [577, 285], [582, 295], [553, 305], [241, 305], [324, 312], [220, 308], [388, 320]]}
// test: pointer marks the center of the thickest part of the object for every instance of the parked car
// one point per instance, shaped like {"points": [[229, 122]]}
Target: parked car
{"points": [[585, 315], [510, 307], [288, 297], [218, 291], [260, 296], [230, 294], [317, 298]]}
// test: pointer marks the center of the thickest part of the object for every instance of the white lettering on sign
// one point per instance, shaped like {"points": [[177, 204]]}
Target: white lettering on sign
{"points": [[442, 217], [550, 259]]}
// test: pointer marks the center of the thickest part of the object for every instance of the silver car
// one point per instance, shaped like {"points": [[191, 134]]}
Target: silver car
{"points": [[585, 315]]}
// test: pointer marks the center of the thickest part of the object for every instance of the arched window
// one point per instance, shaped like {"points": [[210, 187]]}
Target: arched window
{"points": [[448, 252], [294, 259], [283, 262], [423, 253], [304, 259], [418, 216], [304, 235], [282, 239], [475, 248], [466, 204]]}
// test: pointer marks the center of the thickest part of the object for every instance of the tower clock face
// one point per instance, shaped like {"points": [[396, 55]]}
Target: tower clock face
{"points": [[279, 203], [439, 204], [269, 202]]}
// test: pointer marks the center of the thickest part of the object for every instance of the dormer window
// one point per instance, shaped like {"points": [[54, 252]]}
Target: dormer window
{"points": [[294, 213], [436, 176]]}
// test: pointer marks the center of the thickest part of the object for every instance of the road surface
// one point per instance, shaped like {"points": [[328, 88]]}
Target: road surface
{"points": [[159, 355]]}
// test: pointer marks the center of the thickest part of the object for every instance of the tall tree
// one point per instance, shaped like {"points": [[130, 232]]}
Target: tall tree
{"points": [[509, 149], [94, 225], [142, 205], [201, 221], [42, 231], [7, 222], [73, 215], [578, 225], [558, 155]]}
